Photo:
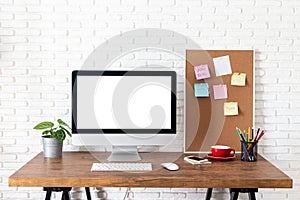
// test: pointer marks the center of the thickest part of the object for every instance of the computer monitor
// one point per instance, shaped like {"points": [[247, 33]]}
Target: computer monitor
{"points": [[125, 109]]}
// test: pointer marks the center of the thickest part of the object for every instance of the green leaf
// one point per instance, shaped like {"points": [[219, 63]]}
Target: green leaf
{"points": [[60, 135], [46, 132], [61, 122], [66, 131], [43, 125], [69, 134]]}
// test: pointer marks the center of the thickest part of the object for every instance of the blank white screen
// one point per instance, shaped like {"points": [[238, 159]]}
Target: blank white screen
{"points": [[124, 102]]}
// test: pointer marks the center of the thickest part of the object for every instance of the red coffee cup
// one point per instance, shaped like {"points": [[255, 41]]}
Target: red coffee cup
{"points": [[222, 151]]}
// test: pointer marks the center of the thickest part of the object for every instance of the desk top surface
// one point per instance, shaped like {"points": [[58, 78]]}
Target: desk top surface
{"points": [[73, 170]]}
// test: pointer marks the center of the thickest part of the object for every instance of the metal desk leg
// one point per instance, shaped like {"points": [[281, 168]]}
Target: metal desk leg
{"points": [[234, 195], [251, 195], [208, 193], [65, 190], [65, 195], [48, 195], [88, 193]]}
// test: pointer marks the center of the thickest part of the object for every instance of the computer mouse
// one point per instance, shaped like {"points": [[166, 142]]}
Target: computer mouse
{"points": [[170, 166]]}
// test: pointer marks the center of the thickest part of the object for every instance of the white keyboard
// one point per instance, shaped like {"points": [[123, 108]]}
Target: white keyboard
{"points": [[121, 167]]}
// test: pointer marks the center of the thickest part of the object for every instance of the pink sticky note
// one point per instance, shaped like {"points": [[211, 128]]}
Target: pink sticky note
{"points": [[220, 91], [201, 72]]}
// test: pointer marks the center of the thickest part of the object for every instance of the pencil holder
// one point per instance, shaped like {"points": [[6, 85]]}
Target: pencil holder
{"points": [[249, 151]]}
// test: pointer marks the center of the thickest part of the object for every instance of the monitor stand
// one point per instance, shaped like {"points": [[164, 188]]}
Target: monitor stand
{"points": [[124, 153]]}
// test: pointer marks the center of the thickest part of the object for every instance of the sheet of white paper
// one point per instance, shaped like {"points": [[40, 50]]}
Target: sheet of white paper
{"points": [[222, 65]]}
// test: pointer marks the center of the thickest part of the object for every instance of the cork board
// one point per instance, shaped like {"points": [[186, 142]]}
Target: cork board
{"points": [[205, 123]]}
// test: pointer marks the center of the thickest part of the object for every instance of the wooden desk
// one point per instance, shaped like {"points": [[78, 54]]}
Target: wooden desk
{"points": [[73, 170]]}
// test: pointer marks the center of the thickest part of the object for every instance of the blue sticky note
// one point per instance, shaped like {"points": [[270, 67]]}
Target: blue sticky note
{"points": [[201, 90]]}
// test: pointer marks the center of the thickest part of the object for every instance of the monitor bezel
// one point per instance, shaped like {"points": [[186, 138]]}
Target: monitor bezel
{"points": [[77, 73]]}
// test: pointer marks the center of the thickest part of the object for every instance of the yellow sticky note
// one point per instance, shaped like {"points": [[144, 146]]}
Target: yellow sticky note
{"points": [[231, 108], [238, 79]]}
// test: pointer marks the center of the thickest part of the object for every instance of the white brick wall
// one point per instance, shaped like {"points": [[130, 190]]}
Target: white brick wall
{"points": [[42, 41]]}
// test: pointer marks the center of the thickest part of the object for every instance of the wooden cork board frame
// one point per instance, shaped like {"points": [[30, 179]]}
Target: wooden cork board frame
{"points": [[205, 123]]}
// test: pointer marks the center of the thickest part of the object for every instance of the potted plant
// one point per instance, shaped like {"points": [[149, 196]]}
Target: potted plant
{"points": [[53, 137]]}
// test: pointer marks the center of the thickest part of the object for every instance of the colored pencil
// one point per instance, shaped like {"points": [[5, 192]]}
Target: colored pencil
{"points": [[260, 135]]}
